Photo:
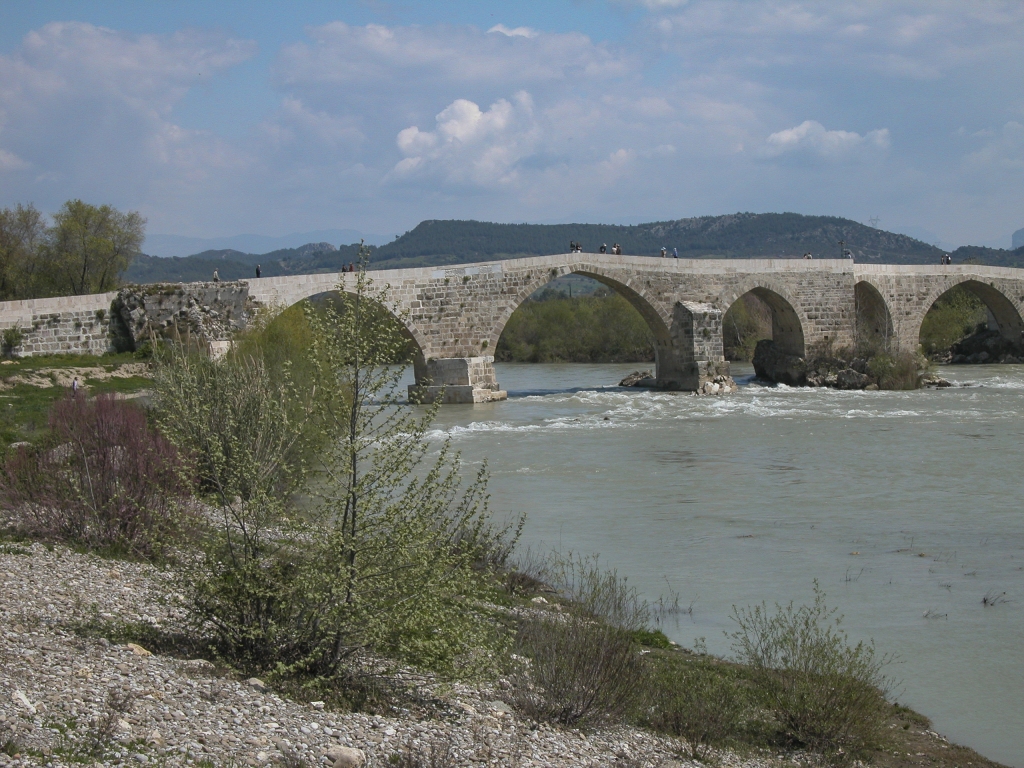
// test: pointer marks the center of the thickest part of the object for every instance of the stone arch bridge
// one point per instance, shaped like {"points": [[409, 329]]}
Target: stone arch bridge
{"points": [[455, 314]]}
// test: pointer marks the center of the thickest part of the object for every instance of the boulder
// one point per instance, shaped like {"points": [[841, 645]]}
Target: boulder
{"points": [[850, 379], [639, 379], [346, 757], [771, 364]]}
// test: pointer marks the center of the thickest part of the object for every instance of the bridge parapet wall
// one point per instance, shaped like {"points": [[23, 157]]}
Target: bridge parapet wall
{"points": [[60, 325]]}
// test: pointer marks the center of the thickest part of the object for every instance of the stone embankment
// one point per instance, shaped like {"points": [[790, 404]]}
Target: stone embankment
{"points": [[59, 689]]}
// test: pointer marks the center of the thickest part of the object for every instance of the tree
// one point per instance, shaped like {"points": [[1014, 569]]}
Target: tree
{"points": [[384, 556], [23, 233], [89, 248], [399, 537]]}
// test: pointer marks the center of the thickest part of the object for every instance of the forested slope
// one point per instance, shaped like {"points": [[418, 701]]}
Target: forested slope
{"points": [[436, 242]]}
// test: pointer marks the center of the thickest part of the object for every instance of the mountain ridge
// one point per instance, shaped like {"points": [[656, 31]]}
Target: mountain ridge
{"points": [[440, 242]]}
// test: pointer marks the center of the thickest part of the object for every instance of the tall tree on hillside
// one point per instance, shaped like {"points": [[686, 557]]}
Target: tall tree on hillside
{"points": [[22, 235], [90, 247]]}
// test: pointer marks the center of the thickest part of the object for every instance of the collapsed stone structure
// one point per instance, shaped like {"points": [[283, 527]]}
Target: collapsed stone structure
{"points": [[455, 315]]}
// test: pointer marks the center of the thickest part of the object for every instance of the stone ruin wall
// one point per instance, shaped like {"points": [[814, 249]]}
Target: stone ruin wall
{"points": [[122, 320]]}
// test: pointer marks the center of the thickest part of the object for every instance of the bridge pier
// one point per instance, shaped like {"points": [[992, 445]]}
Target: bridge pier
{"points": [[694, 353], [456, 380]]}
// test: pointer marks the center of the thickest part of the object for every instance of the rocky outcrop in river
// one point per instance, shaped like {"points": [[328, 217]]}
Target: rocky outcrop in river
{"points": [[717, 385], [827, 370], [988, 346]]}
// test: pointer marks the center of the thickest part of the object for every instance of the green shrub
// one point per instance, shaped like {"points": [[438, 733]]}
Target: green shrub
{"points": [[12, 339], [585, 664], [697, 701], [581, 671], [825, 694], [596, 592], [897, 371], [383, 559]]}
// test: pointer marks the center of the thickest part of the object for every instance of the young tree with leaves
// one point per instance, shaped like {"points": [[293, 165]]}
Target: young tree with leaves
{"points": [[90, 247], [23, 234], [384, 558]]}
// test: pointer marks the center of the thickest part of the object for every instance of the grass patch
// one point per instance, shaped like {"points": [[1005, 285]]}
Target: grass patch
{"points": [[24, 411], [109, 361]]}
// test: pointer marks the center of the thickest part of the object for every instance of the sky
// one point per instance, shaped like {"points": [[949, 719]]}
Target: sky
{"points": [[215, 119]]}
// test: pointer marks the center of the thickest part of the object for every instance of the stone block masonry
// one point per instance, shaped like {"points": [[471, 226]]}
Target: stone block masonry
{"points": [[455, 315]]}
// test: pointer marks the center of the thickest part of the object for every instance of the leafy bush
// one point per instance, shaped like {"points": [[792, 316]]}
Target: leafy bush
{"points": [[580, 672], [104, 480], [383, 557], [585, 664], [596, 592], [697, 701], [897, 371], [12, 339], [826, 694], [237, 425]]}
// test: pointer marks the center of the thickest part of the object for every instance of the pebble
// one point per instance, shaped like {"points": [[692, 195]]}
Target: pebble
{"points": [[184, 711]]}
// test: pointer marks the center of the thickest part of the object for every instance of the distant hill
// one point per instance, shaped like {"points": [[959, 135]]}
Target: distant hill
{"points": [[232, 265], [178, 245], [740, 235], [435, 243]]}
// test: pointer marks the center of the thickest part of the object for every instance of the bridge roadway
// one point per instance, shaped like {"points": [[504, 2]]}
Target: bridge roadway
{"points": [[455, 314]]}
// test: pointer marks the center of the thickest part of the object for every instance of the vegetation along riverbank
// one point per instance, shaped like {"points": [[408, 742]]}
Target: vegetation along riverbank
{"points": [[272, 564]]}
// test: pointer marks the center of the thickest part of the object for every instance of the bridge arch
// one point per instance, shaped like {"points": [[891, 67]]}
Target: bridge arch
{"points": [[1003, 310], [788, 322], [660, 326], [874, 327], [409, 332]]}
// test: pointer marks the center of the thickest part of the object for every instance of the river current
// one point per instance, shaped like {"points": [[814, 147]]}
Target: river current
{"points": [[905, 506]]}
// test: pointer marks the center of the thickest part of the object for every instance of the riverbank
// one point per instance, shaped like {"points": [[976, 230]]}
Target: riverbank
{"points": [[68, 688], [96, 627]]}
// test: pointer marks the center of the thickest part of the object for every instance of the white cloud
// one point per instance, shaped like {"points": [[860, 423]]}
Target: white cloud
{"points": [[469, 145], [11, 162], [517, 32], [812, 137], [655, 5], [86, 111], [406, 59], [1004, 150]]}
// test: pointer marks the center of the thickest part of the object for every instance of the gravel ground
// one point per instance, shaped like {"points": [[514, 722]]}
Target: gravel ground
{"points": [[61, 694]]}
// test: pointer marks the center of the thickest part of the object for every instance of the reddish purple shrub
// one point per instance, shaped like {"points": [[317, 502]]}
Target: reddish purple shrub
{"points": [[104, 480]]}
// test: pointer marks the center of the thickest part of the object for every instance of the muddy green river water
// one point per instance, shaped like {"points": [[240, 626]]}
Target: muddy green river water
{"points": [[906, 506]]}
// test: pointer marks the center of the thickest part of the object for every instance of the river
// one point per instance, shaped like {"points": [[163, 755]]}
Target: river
{"points": [[904, 505]]}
